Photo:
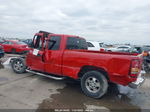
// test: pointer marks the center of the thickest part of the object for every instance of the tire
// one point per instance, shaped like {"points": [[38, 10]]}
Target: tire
{"points": [[13, 51], [96, 89], [18, 66]]}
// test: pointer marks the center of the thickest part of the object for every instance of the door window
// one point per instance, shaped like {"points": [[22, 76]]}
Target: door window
{"points": [[37, 42], [54, 43]]}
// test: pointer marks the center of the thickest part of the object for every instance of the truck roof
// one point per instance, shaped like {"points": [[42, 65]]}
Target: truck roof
{"points": [[48, 33]]}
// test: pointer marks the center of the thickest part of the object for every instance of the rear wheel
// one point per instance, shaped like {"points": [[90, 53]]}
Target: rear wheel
{"points": [[94, 84], [18, 65]]}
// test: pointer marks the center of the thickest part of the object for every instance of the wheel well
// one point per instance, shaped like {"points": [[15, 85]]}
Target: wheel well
{"points": [[92, 68]]}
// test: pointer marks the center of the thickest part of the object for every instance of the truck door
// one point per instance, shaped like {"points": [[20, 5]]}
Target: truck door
{"points": [[53, 55], [36, 57]]}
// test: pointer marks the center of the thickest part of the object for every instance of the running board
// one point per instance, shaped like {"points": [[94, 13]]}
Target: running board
{"points": [[48, 76]]}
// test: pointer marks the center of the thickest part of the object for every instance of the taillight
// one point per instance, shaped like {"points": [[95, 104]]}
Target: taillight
{"points": [[135, 68]]}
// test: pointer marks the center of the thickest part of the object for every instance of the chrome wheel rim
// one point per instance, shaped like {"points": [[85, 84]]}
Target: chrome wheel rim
{"points": [[92, 84], [18, 65]]}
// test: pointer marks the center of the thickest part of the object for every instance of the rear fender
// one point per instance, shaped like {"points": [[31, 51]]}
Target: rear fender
{"points": [[85, 69]]}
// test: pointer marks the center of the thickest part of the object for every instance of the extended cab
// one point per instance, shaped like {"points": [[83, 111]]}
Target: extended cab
{"points": [[67, 56]]}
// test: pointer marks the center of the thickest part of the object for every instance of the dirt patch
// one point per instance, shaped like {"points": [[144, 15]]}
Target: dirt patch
{"points": [[71, 97]]}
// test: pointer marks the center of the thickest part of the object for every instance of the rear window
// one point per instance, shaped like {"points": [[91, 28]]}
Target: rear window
{"points": [[76, 43]]}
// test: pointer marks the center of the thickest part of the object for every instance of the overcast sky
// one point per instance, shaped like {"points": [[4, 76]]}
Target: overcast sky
{"points": [[116, 21]]}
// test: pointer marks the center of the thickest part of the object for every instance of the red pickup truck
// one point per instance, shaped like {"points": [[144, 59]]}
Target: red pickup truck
{"points": [[67, 56]]}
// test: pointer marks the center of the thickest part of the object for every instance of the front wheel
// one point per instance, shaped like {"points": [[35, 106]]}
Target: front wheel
{"points": [[18, 65], [94, 84]]}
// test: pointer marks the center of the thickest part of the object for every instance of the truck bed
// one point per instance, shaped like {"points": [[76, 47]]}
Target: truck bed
{"points": [[108, 52]]}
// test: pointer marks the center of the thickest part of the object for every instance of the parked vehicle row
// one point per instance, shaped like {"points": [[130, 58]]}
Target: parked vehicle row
{"points": [[67, 56]]}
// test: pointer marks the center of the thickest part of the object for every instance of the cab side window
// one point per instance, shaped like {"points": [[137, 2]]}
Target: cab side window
{"points": [[54, 43], [76, 43]]}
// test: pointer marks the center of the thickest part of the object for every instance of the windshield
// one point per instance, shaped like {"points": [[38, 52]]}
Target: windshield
{"points": [[76, 43]]}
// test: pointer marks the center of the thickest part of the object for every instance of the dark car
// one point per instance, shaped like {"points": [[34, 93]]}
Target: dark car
{"points": [[140, 49], [1, 52]]}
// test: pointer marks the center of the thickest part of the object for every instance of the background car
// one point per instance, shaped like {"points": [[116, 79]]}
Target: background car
{"points": [[1, 52], [140, 49], [123, 48], [13, 46], [96, 46]]}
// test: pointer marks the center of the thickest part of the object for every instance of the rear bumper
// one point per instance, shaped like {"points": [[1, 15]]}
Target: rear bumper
{"points": [[140, 80]]}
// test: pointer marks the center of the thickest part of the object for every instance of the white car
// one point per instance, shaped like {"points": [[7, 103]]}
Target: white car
{"points": [[95, 46], [123, 48]]}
